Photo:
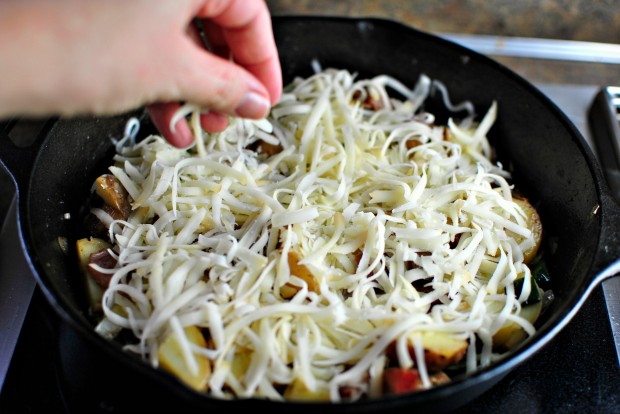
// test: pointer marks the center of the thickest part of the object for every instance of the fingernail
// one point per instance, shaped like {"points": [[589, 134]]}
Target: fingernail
{"points": [[253, 106]]}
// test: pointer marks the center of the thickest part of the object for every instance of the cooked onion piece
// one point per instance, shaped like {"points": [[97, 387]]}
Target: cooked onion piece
{"points": [[345, 247]]}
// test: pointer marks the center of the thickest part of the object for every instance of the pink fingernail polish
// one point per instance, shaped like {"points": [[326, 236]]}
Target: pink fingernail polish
{"points": [[253, 106]]}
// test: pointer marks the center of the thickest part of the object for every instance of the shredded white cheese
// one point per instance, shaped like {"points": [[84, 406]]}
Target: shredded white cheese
{"points": [[371, 201]]}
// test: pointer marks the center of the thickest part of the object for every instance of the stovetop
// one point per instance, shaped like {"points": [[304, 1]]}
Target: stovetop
{"points": [[578, 371]]}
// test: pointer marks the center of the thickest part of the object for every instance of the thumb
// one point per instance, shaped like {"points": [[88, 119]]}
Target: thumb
{"points": [[221, 85]]}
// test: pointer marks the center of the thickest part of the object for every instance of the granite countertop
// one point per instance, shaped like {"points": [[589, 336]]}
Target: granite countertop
{"points": [[575, 20], [587, 20]]}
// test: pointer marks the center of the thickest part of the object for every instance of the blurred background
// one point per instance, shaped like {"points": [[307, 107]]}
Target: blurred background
{"points": [[573, 20], [590, 20]]}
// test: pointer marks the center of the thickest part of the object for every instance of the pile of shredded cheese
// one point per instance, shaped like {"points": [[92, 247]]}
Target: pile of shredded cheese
{"points": [[373, 201]]}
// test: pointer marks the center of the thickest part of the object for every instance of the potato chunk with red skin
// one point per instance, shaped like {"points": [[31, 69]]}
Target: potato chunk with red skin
{"points": [[105, 260], [405, 380], [95, 251], [113, 194], [113, 199], [440, 350], [401, 380], [86, 248]]}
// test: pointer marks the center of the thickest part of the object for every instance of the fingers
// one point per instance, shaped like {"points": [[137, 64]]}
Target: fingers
{"points": [[241, 77], [161, 114], [220, 84], [181, 135], [216, 40], [213, 122], [246, 29]]}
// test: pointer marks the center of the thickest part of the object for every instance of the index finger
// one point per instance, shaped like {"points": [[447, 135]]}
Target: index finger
{"points": [[246, 28]]}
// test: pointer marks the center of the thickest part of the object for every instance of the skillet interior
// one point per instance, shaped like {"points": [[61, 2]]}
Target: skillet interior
{"points": [[552, 165]]}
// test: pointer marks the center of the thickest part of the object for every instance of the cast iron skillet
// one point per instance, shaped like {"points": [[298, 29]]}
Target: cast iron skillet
{"points": [[552, 165]]}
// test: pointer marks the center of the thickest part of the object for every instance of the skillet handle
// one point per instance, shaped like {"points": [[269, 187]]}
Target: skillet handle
{"points": [[607, 260], [603, 123], [20, 141]]}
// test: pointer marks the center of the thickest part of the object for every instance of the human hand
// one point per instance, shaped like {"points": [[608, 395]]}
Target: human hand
{"points": [[241, 30], [74, 57]]}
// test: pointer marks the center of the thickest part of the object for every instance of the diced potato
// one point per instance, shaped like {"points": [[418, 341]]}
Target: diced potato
{"points": [[534, 224], [241, 362], [95, 294], [442, 349], [171, 359], [85, 248], [105, 260], [288, 291], [113, 193], [107, 328], [487, 267], [512, 333], [302, 272], [298, 391]]}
